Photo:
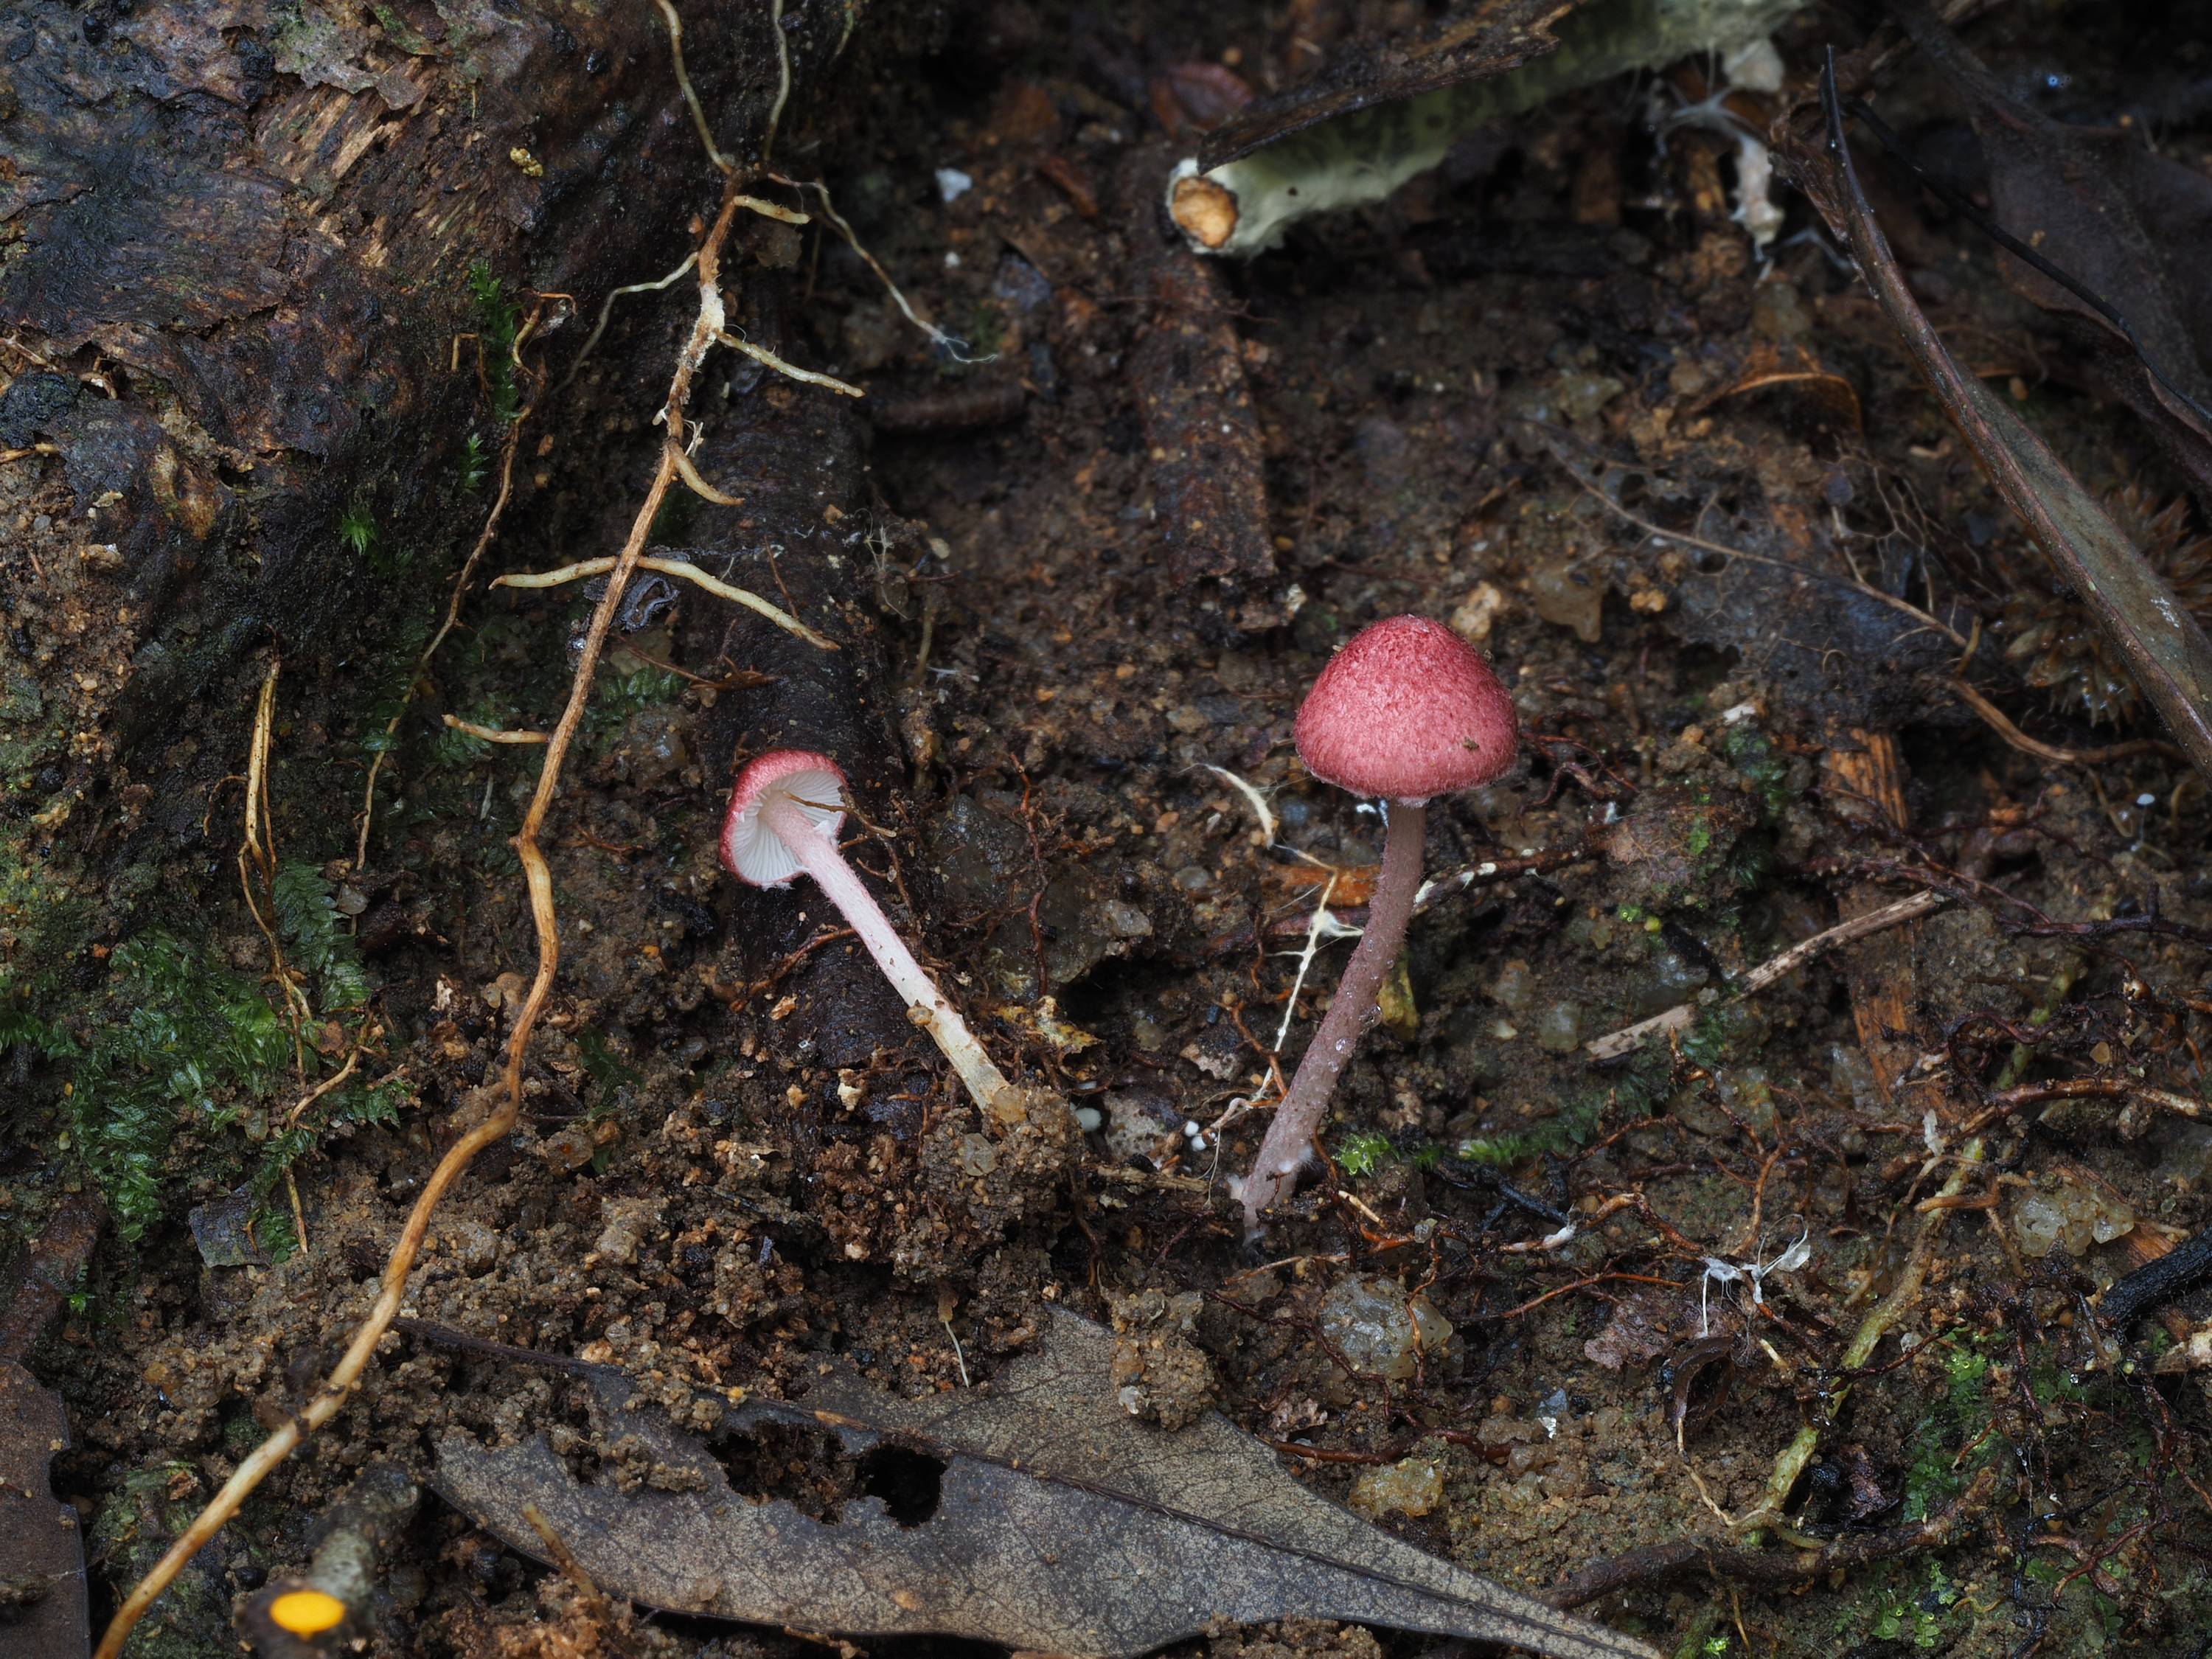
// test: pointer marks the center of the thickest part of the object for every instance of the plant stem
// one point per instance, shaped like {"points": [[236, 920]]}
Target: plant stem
{"points": [[818, 856], [1305, 1103], [1801, 1449]]}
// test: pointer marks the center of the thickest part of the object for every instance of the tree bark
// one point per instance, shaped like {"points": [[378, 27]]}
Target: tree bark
{"points": [[245, 361]]}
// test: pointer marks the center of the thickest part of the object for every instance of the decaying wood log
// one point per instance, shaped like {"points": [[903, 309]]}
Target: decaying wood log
{"points": [[247, 351]]}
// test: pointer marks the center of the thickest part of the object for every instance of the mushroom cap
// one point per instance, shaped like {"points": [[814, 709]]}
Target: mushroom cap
{"points": [[751, 851], [1406, 710]]}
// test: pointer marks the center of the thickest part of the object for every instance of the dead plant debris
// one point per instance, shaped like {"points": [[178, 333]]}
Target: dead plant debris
{"points": [[1768, 1212], [1040, 1514]]}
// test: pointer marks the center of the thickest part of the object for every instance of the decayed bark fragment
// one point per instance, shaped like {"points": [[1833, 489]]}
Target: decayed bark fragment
{"points": [[1202, 431]]}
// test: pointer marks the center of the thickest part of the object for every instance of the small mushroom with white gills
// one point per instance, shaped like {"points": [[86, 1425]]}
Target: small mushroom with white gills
{"points": [[1406, 711], [786, 809]]}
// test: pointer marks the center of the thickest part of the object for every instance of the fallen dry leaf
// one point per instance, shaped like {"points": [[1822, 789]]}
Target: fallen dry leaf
{"points": [[1645, 1322], [2131, 224], [2162, 645], [1037, 1514]]}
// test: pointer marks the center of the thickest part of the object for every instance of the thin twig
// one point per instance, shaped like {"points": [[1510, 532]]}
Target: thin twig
{"points": [[767, 210], [956, 349], [322, 1089], [595, 1603], [1614, 1044], [1321, 922], [299, 1216], [762, 355], [506, 454], [690, 573], [255, 852], [782, 77], [1534, 1301], [738, 679], [607, 310], [1655, 1562], [1995, 718], [1255, 800], [2004, 1103], [722, 162], [492, 733], [701, 488]]}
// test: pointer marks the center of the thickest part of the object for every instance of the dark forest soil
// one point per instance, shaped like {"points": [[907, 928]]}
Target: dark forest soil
{"points": [[737, 1161]]}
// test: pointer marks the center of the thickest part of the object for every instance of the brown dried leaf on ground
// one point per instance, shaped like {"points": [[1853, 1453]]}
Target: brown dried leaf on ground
{"points": [[2132, 225], [1645, 1323], [2163, 647], [1038, 1514]]}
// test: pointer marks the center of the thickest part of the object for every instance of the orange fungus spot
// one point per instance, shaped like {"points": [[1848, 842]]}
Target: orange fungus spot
{"points": [[307, 1611]]}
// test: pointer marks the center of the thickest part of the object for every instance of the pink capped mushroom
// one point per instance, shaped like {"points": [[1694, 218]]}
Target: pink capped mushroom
{"points": [[786, 809], [1406, 710]]}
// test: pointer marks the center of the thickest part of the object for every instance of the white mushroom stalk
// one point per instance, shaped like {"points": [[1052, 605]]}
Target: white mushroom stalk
{"points": [[784, 811]]}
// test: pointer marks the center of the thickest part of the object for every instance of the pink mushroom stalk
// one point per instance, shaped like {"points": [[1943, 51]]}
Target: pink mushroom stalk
{"points": [[1406, 711], [786, 809]]}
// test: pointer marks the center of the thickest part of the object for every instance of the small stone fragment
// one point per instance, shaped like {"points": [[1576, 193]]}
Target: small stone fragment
{"points": [[1515, 988], [471, 1243], [1158, 1373], [1567, 596], [1414, 1486], [1560, 1028], [223, 1228], [2036, 1224], [1379, 1330], [977, 1156], [569, 1148], [1139, 1124], [1476, 614], [2073, 1217], [1581, 394], [2113, 1220], [654, 749], [626, 1222]]}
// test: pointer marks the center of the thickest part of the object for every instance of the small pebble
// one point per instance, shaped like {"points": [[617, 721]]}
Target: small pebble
{"points": [[1515, 988], [2073, 1218], [1414, 1487], [1371, 1322], [1560, 1028], [977, 1156]]}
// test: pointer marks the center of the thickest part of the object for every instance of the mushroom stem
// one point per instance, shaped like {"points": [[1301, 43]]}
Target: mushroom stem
{"points": [[818, 856], [1290, 1138]]}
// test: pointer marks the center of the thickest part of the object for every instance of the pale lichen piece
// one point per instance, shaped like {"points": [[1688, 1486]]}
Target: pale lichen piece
{"points": [[1242, 206]]}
